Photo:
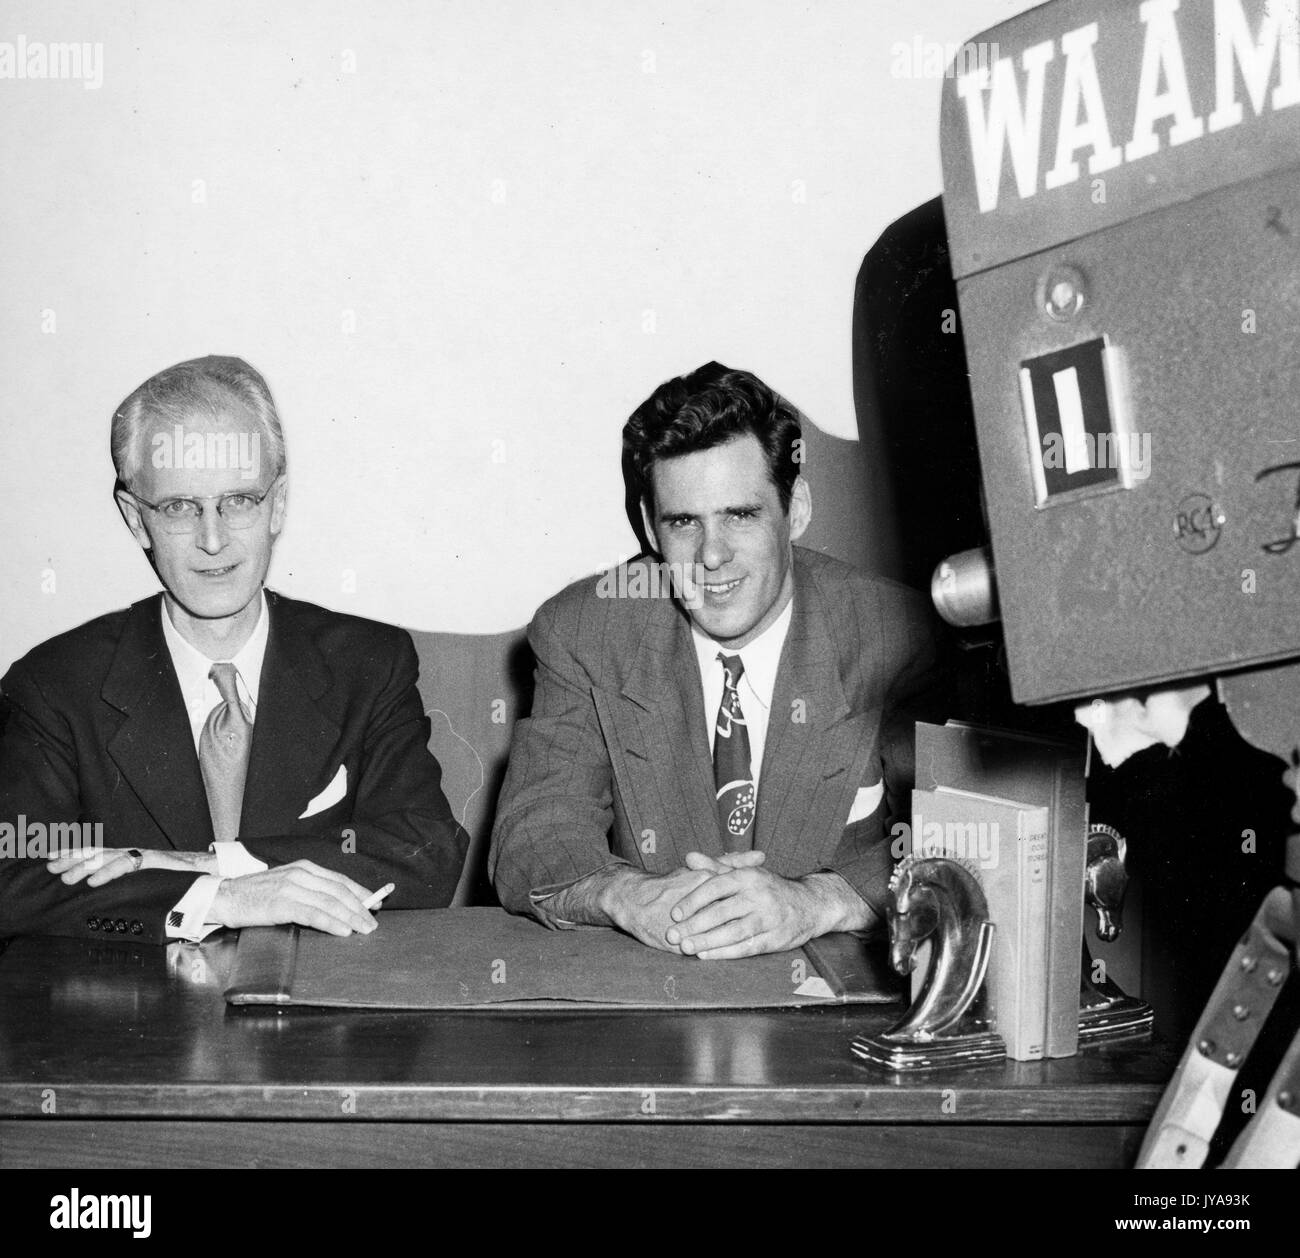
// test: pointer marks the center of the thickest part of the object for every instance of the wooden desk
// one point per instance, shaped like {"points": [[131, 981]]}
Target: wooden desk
{"points": [[113, 1055]]}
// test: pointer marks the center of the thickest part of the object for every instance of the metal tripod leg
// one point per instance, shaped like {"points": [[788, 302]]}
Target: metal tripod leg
{"points": [[1193, 1103]]}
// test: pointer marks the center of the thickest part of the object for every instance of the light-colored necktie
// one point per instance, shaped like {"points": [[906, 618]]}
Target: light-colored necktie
{"points": [[223, 754]]}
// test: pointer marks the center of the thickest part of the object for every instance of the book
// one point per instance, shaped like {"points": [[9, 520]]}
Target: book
{"points": [[1005, 844], [1040, 771]]}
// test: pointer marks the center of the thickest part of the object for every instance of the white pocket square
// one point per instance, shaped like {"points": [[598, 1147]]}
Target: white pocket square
{"points": [[866, 801], [330, 795]]}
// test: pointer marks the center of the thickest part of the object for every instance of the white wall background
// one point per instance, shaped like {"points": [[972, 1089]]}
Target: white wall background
{"points": [[461, 240]]}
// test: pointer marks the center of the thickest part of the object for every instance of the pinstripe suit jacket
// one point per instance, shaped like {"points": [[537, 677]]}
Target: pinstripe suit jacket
{"points": [[614, 762]]}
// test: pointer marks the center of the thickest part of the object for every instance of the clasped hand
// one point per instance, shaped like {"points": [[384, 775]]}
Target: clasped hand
{"points": [[718, 908]]}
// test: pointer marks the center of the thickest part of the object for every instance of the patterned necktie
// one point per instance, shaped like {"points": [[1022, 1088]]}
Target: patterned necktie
{"points": [[223, 754], [732, 774]]}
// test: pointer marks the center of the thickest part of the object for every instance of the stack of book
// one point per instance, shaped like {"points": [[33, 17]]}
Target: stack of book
{"points": [[1011, 807]]}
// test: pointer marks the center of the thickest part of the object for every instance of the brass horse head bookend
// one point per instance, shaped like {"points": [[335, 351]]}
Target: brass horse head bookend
{"points": [[1106, 1013], [939, 899]]}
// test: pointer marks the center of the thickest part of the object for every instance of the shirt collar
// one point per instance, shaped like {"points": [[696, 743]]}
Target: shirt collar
{"points": [[761, 657], [192, 665]]}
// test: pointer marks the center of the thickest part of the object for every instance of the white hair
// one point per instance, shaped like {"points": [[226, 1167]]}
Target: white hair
{"points": [[203, 385]]}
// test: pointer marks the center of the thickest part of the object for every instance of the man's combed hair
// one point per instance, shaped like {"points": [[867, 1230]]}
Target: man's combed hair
{"points": [[707, 408], [203, 386]]}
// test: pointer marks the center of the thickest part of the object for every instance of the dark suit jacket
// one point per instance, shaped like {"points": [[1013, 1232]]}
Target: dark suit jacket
{"points": [[614, 762], [96, 730]]}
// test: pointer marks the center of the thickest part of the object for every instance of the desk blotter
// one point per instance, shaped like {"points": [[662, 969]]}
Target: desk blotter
{"points": [[484, 957]]}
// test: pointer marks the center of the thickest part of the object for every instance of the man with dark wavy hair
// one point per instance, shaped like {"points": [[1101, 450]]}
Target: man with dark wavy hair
{"points": [[718, 731], [248, 759]]}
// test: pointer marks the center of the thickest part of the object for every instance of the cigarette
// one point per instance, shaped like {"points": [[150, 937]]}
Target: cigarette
{"points": [[373, 901]]}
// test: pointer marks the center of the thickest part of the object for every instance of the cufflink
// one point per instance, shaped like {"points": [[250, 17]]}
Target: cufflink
{"points": [[175, 920]]}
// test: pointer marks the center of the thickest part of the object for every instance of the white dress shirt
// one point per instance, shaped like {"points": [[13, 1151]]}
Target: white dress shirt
{"points": [[188, 918], [761, 659]]}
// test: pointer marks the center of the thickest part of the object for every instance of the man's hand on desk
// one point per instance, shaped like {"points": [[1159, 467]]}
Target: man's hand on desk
{"points": [[636, 902], [302, 893], [714, 907], [742, 910], [96, 866]]}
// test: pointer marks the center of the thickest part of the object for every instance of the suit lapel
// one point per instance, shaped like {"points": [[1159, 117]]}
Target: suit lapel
{"points": [[816, 747], [293, 734], [154, 746], [666, 765]]}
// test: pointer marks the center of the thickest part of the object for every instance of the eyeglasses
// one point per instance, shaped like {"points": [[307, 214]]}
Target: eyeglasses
{"points": [[182, 515]]}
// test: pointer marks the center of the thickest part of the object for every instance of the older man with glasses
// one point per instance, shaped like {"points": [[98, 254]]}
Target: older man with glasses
{"points": [[253, 760]]}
